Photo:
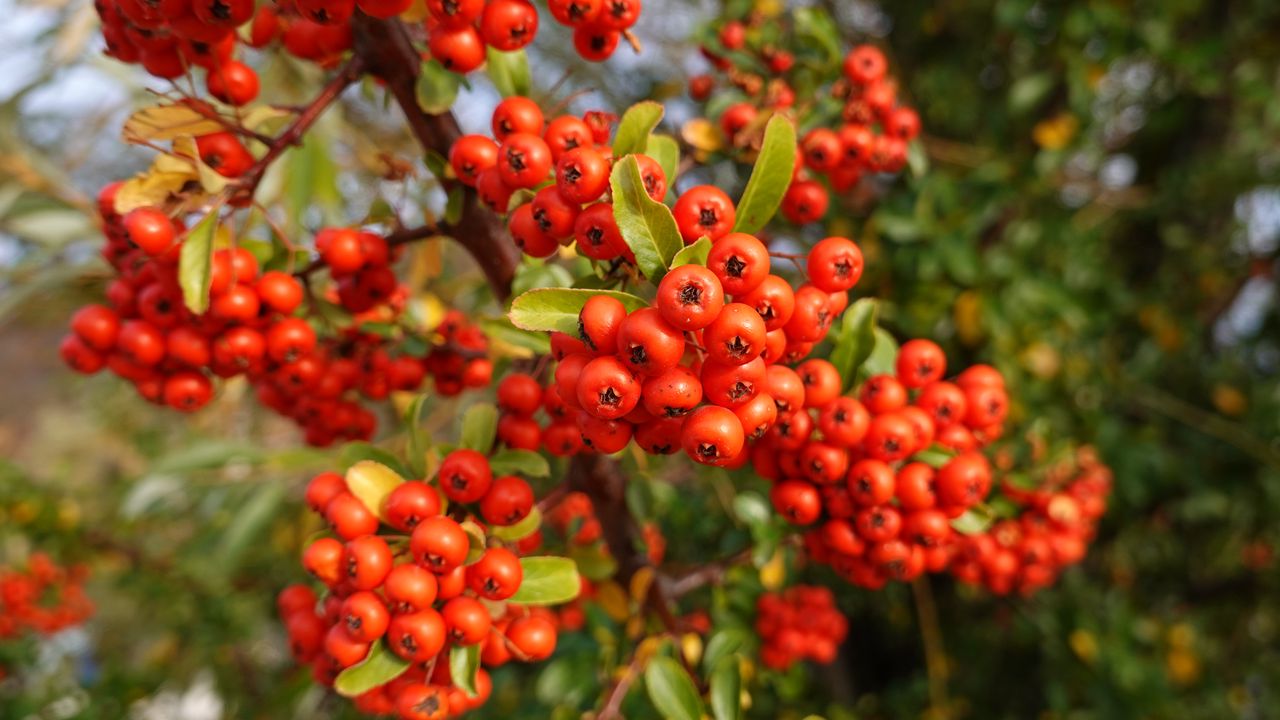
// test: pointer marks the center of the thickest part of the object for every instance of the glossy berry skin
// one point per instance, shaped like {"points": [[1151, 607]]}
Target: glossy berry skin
{"points": [[704, 210], [582, 175], [524, 160], [509, 25], [465, 476], [647, 344], [672, 394], [509, 500], [460, 50], [533, 636], [366, 562], [233, 83], [496, 575], [517, 114], [607, 389], [773, 300], [439, 544], [806, 201], [150, 230], [97, 326], [599, 323], [349, 517], [690, 297], [411, 503], [740, 262], [417, 637], [472, 155], [797, 501], [364, 616], [713, 435], [736, 336], [410, 588], [467, 620], [835, 264]]}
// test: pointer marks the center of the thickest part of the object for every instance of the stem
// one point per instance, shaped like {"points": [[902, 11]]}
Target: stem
{"points": [[1234, 434], [935, 655], [613, 703], [386, 50], [307, 117]]}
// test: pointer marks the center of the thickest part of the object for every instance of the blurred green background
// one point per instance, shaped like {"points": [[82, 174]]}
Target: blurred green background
{"points": [[1100, 219]]}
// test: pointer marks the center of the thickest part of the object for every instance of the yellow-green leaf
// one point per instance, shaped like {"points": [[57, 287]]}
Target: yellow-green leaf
{"points": [[770, 177], [195, 264], [372, 482]]}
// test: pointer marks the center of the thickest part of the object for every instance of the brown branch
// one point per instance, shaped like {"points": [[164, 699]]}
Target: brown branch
{"points": [[709, 574], [388, 53], [347, 76]]}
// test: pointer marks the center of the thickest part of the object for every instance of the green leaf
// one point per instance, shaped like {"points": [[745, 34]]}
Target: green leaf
{"points": [[751, 508], [248, 524], [195, 264], [419, 443], [437, 88], [464, 663], [502, 329], [380, 667], [1028, 91], [521, 530], [974, 520], [547, 581], [935, 456], [635, 127], [594, 564], [556, 309], [770, 177], [724, 643], [726, 690], [453, 207], [479, 427], [646, 224], [509, 71], [519, 462], [672, 690], [476, 540], [855, 340], [666, 150], [883, 356], [695, 254], [372, 482]]}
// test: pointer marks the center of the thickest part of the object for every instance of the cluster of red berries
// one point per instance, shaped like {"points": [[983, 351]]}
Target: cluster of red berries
{"points": [[801, 623], [1058, 522], [700, 369], [44, 598], [526, 151], [852, 470], [872, 136], [148, 336], [170, 37], [421, 587], [598, 25]]}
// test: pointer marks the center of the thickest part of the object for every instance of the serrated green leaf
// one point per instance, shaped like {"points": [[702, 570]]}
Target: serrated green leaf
{"points": [[437, 88], [479, 427], [695, 254], [195, 264], [770, 177], [671, 690], [647, 225], [509, 71], [547, 581], [556, 309], [519, 462], [464, 664], [634, 128], [855, 340], [666, 150], [726, 690], [380, 667], [521, 530]]}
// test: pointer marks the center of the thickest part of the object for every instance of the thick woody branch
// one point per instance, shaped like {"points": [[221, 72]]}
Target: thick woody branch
{"points": [[388, 54]]}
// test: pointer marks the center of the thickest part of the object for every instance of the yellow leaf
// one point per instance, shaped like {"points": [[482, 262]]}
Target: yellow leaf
{"points": [[641, 581], [265, 118], [210, 180], [774, 572], [372, 482], [166, 122], [691, 647], [1084, 645], [613, 600], [151, 189], [702, 134]]}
